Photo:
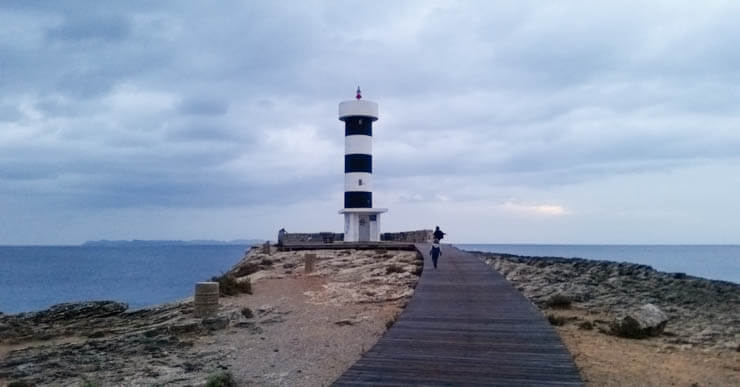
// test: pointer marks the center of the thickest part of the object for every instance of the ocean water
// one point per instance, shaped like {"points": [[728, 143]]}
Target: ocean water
{"points": [[35, 277], [720, 262]]}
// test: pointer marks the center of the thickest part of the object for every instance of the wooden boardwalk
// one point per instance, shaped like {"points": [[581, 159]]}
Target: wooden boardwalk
{"points": [[464, 326]]}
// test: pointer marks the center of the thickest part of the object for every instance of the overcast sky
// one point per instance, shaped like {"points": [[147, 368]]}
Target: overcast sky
{"points": [[502, 122]]}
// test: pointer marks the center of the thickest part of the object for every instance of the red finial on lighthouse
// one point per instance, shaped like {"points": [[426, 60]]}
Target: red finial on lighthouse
{"points": [[359, 93]]}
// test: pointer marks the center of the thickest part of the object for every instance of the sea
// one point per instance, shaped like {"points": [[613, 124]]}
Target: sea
{"points": [[718, 262], [36, 277]]}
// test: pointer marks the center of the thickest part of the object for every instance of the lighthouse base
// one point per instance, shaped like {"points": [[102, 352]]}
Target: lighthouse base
{"points": [[362, 224]]}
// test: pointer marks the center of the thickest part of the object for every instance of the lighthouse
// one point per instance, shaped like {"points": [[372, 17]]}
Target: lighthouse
{"points": [[361, 220]]}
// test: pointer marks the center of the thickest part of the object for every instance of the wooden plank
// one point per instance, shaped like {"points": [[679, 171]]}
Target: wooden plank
{"points": [[465, 325]]}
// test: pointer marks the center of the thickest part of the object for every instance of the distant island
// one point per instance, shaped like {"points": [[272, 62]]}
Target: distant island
{"points": [[137, 242]]}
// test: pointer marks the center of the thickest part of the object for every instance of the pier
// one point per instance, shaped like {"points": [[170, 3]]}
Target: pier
{"points": [[465, 325]]}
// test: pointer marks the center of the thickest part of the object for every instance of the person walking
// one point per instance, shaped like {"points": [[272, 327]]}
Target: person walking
{"points": [[438, 234], [435, 252]]}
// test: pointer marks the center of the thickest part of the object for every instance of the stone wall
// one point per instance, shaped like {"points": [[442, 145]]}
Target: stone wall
{"points": [[315, 237], [418, 236]]}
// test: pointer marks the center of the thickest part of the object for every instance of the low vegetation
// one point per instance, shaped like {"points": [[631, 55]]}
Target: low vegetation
{"points": [[247, 313], [228, 285], [221, 379], [246, 269], [90, 383], [556, 320]]}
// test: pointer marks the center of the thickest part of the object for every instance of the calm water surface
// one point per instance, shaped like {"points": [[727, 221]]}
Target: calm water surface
{"points": [[720, 262], [36, 277], [33, 278]]}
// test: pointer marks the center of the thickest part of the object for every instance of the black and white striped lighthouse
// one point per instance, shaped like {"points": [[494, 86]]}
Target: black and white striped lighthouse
{"points": [[361, 220]]}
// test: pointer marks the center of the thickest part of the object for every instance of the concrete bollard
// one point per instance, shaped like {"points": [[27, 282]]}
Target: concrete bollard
{"points": [[310, 261], [206, 299]]}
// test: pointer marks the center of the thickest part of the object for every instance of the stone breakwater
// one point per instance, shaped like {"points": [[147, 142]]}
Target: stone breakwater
{"points": [[701, 312]]}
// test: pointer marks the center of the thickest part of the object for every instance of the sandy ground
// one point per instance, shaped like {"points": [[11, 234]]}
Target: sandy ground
{"points": [[321, 322], [301, 344], [606, 360]]}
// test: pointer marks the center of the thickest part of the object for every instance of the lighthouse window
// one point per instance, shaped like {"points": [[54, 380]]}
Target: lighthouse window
{"points": [[359, 182]]}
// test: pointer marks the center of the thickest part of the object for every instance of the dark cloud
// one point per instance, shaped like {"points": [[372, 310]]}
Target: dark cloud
{"points": [[203, 106], [91, 28], [114, 107]]}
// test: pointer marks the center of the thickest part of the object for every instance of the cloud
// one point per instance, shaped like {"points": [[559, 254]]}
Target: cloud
{"points": [[542, 209], [189, 107], [203, 106], [105, 28]]}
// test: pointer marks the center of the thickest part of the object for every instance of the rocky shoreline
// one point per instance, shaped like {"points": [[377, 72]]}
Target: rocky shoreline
{"points": [[298, 328], [628, 324], [305, 328], [700, 311]]}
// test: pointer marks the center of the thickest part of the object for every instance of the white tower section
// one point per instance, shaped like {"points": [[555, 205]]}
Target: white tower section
{"points": [[361, 220]]}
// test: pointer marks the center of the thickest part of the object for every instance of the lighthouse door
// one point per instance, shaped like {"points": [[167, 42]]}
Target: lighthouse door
{"points": [[364, 228]]}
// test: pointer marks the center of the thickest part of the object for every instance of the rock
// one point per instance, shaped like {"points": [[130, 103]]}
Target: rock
{"points": [[646, 321], [559, 300], [216, 323], [77, 311], [731, 345], [263, 309], [185, 326]]}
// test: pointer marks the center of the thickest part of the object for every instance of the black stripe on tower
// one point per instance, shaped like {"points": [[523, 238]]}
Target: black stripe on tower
{"points": [[357, 199], [358, 162], [358, 125]]}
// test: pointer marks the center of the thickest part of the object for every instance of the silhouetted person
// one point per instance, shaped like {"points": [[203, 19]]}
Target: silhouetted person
{"points": [[438, 234], [435, 252]]}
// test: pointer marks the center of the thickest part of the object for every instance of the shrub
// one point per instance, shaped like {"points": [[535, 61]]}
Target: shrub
{"points": [[394, 268], [221, 379], [247, 313], [246, 269], [90, 383], [229, 286], [558, 301], [556, 320], [266, 262], [20, 383]]}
